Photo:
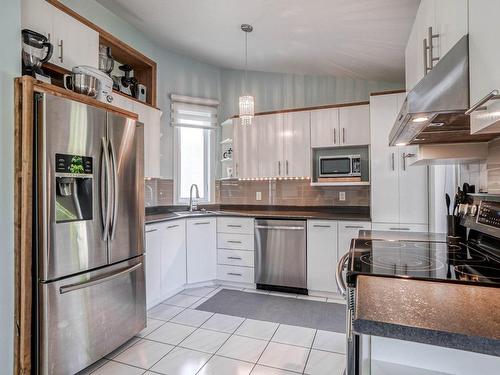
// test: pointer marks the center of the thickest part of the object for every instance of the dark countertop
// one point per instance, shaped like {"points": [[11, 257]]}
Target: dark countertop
{"points": [[354, 214], [458, 316]]}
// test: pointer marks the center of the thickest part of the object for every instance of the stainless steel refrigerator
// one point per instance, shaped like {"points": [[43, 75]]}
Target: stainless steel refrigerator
{"points": [[89, 231]]}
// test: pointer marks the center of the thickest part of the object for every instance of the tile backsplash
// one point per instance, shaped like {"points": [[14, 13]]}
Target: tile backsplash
{"points": [[289, 193], [158, 192]]}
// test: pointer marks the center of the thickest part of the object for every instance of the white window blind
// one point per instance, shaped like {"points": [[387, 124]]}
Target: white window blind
{"points": [[193, 112]]}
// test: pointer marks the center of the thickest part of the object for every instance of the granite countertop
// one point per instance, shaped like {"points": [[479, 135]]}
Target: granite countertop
{"points": [[286, 212], [458, 316]]}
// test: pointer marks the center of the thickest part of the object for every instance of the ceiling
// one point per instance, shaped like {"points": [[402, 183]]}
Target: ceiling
{"points": [[350, 38]]}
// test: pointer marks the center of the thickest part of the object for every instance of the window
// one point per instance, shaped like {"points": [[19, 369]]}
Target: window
{"points": [[193, 154], [194, 120]]}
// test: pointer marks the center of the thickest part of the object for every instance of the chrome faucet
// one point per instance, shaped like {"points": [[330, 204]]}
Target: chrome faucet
{"points": [[193, 205]]}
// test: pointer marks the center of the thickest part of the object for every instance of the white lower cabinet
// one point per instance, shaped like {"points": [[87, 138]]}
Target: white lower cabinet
{"points": [[322, 238], [201, 249], [400, 227], [235, 253], [165, 260], [327, 241], [153, 264]]}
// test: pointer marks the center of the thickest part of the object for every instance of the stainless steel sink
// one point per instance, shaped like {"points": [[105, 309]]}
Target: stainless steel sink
{"points": [[194, 213]]}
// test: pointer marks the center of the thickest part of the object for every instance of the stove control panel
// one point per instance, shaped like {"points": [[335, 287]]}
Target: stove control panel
{"points": [[489, 214]]}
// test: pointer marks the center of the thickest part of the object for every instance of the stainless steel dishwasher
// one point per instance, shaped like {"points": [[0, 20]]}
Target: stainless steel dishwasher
{"points": [[280, 255]]}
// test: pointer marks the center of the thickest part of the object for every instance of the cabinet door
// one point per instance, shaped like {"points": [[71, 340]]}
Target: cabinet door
{"points": [[37, 15], [297, 144], [403, 227], [153, 264], [248, 162], [484, 56], [121, 101], [270, 138], [236, 147], [355, 125], [384, 159], [173, 257], [74, 43], [347, 231], [201, 249], [321, 255], [325, 127], [151, 118], [413, 189], [451, 24]]}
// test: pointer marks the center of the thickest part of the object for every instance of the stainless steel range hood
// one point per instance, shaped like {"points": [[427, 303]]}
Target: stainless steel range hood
{"points": [[437, 103]]}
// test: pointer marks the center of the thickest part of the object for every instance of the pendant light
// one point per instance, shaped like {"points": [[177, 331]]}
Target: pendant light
{"points": [[246, 102]]}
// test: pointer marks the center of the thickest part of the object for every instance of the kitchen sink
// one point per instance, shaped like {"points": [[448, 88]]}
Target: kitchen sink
{"points": [[194, 213]]}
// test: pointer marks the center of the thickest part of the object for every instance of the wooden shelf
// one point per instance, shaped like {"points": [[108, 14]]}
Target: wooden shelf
{"points": [[362, 183]]}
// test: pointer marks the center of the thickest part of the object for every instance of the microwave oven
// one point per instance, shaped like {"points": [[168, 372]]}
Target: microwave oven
{"points": [[339, 166]]}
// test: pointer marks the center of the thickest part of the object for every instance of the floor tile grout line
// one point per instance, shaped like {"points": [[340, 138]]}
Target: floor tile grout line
{"points": [[309, 354], [260, 356], [213, 355]]}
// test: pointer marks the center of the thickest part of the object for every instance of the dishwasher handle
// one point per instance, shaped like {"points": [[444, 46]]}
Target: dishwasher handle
{"points": [[279, 227]]}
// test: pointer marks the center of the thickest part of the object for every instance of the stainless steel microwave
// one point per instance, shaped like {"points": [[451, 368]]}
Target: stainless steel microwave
{"points": [[339, 166]]}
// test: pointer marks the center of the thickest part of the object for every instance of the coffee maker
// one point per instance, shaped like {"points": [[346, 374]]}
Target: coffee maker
{"points": [[36, 50]]}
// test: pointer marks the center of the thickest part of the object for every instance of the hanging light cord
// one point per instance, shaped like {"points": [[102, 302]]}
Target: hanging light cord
{"points": [[246, 62]]}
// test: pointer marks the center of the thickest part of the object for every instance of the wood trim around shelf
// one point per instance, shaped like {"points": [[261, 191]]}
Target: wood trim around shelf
{"points": [[399, 91], [326, 106]]}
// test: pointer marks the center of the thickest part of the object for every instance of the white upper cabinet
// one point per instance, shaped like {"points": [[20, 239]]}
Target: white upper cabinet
{"points": [[246, 147], [74, 43], [325, 127], [151, 118], [297, 144], [399, 191], [344, 126], [484, 57], [439, 25], [354, 125], [270, 139]]}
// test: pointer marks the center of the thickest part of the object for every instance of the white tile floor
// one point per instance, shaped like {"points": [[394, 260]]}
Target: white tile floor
{"points": [[180, 340]]}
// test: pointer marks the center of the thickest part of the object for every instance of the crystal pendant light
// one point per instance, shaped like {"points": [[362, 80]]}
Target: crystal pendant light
{"points": [[246, 102]]}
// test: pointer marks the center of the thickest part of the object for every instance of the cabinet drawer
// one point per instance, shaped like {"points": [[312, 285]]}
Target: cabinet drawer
{"points": [[354, 225], [235, 273], [235, 257], [400, 227], [235, 225], [235, 241]]}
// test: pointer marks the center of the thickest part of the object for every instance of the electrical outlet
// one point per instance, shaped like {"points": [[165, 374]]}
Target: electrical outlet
{"points": [[341, 195], [258, 196]]}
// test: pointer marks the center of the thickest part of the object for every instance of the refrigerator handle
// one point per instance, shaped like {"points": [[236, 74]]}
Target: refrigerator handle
{"points": [[105, 189], [115, 190]]}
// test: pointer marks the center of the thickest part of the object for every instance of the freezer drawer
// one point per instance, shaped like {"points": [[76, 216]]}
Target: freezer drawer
{"points": [[280, 253], [84, 317]]}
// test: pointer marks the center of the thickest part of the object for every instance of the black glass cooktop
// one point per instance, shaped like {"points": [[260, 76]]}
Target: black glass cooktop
{"points": [[424, 260]]}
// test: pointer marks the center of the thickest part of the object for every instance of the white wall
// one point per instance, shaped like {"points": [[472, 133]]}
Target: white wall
{"points": [[10, 29]]}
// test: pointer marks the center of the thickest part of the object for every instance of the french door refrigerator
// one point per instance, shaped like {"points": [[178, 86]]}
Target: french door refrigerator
{"points": [[89, 233]]}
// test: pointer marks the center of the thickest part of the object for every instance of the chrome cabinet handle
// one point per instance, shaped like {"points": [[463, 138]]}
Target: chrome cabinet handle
{"points": [[321, 226], [405, 156], [97, 280], [105, 189], [343, 135], [61, 49], [334, 136], [494, 95], [236, 172], [234, 274], [286, 166], [426, 49], [234, 226], [279, 168], [399, 228], [202, 223], [431, 37], [354, 226], [235, 258], [172, 226], [278, 227], [392, 161], [115, 190], [341, 285], [151, 230], [232, 241]]}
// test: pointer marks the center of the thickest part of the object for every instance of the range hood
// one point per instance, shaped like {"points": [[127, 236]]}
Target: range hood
{"points": [[433, 112]]}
